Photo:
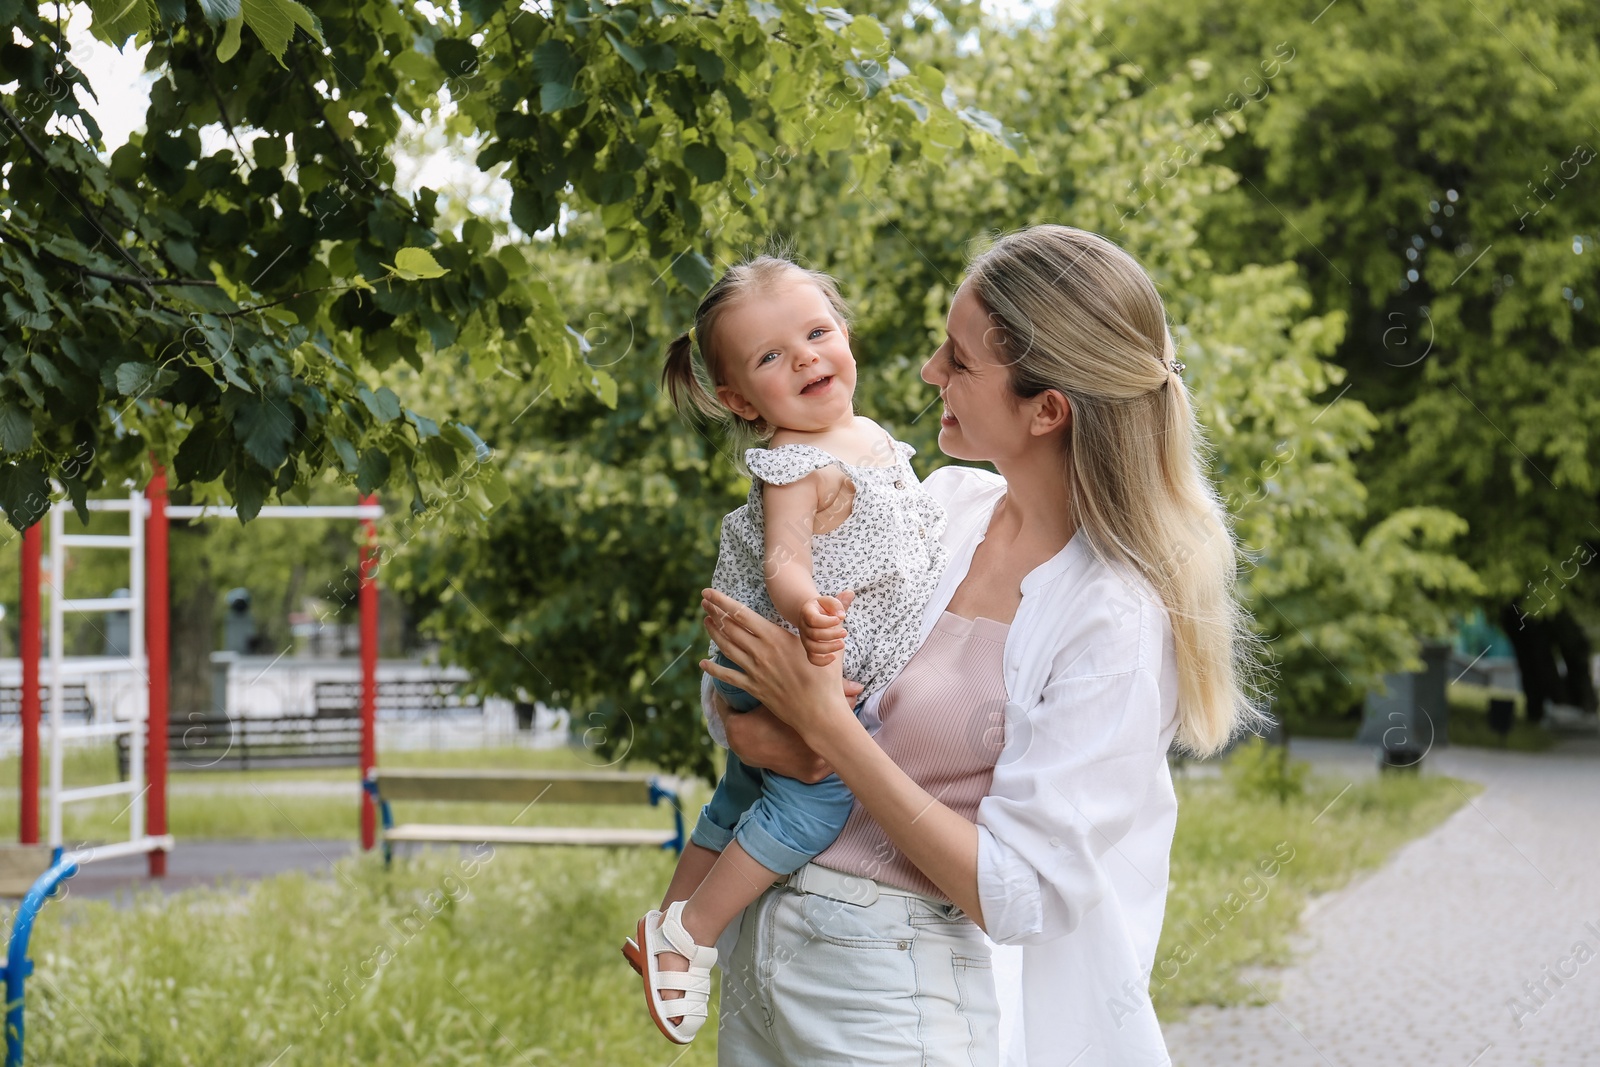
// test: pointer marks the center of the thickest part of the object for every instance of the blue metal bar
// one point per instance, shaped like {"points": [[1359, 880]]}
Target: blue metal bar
{"points": [[18, 967], [658, 793], [386, 817]]}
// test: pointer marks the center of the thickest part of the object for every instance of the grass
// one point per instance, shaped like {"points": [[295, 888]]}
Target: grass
{"points": [[1243, 870], [511, 955]]}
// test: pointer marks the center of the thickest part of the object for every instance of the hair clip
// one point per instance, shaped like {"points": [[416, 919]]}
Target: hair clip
{"points": [[1177, 366], [691, 335]]}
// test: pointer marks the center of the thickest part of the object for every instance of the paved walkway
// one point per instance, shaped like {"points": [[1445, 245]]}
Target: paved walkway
{"points": [[1439, 957], [197, 863]]}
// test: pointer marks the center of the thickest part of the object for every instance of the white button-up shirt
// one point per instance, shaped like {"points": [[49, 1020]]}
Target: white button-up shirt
{"points": [[1075, 834]]}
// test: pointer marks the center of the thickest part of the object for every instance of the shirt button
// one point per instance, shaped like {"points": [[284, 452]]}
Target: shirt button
{"points": [[899, 483], [1055, 842]]}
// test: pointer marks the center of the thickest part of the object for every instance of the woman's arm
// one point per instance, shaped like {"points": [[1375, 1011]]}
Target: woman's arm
{"points": [[942, 844]]}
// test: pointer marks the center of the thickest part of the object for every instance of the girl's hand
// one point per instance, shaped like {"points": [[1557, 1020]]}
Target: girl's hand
{"points": [[777, 671], [822, 626]]}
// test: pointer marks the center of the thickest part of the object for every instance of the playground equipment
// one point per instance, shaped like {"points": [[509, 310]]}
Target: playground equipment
{"points": [[145, 729], [523, 787]]}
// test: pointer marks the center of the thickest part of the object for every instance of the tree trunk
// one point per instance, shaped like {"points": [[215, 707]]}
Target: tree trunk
{"points": [[193, 622], [1576, 650], [1534, 644]]}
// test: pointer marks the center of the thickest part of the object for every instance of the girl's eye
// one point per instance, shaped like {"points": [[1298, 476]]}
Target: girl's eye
{"points": [[819, 329], [763, 359]]}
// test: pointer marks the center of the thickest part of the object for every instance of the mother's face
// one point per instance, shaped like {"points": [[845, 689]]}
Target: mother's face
{"points": [[983, 419]]}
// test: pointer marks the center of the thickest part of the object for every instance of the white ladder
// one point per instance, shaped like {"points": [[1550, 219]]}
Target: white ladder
{"points": [[134, 726]]}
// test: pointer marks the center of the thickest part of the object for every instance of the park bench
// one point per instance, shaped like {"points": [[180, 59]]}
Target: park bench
{"points": [[522, 787], [431, 696], [75, 703], [252, 743]]}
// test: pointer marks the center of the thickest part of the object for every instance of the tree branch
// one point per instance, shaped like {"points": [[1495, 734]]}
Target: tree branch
{"points": [[77, 201]]}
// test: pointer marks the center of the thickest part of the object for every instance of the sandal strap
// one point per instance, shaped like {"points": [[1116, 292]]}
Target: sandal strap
{"points": [[684, 1009], [700, 957], [685, 981]]}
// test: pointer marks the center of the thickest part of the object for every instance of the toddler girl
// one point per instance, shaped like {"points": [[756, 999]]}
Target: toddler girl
{"points": [[834, 505]]}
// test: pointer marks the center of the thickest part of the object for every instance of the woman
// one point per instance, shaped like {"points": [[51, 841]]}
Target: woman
{"points": [[1016, 785]]}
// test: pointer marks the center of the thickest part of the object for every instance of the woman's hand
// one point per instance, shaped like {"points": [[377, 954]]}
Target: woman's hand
{"points": [[760, 739], [777, 671]]}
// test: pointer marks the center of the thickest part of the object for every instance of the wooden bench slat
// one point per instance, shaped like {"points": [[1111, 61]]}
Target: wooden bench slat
{"points": [[517, 787], [528, 835]]}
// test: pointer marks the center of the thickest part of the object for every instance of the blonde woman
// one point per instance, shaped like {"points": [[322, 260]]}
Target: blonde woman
{"points": [[1011, 786]]}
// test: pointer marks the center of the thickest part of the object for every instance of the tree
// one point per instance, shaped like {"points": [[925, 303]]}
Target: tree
{"points": [[229, 316], [582, 588], [1424, 164]]}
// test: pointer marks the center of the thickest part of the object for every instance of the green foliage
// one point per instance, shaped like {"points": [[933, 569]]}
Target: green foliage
{"points": [[1428, 166], [227, 315], [1257, 770]]}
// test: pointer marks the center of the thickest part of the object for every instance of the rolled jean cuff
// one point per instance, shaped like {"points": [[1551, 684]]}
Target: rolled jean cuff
{"points": [[767, 850], [707, 834]]}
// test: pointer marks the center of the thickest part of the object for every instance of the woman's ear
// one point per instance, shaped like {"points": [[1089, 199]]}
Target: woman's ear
{"points": [[735, 402], [1054, 413]]}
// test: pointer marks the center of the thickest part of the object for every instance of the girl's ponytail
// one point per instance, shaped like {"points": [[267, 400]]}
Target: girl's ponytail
{"points": [[683, 384]]}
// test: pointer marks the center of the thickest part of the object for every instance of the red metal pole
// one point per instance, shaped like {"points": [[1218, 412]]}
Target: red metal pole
{"points": [[28, 800], [369, 672], [155, 642]]}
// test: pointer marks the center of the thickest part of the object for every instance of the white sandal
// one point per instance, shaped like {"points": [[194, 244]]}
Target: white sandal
{"points": [[660, 933]]}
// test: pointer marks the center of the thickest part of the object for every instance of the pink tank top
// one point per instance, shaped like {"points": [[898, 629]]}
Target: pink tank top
{"points": [[943, 723]]}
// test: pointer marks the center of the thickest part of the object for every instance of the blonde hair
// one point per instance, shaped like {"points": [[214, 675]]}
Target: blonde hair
{"points": [[1080, 315], [688, 386]]}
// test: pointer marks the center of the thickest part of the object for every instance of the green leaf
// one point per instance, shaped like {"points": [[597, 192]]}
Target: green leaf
{"points": [[266, 429], [627, 52], [706, 162], [24, 492], [273, 21], [383, 404], [373, 470], [137, 379], [554, 97], [202, 457], [346, 452], [553, 62], [694, 271], [228, 47], [16, 427], [220, 10], [416, 264], [117, 20]]}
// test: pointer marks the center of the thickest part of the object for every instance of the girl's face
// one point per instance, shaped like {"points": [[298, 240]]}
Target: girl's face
{"points": [[983, 420], [785, 358]]}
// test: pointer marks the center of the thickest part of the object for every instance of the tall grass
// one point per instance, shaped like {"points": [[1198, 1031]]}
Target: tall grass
{"points": [[510, 956]]}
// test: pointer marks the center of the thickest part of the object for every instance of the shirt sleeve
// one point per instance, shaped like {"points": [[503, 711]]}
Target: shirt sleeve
{"points": [[1067, 788]]}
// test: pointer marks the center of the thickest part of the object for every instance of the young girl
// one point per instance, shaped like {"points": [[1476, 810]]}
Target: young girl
{"points": [[834, 507]]}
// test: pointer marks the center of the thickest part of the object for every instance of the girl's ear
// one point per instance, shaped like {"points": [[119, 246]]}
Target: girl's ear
{"points": [[735, 402]]}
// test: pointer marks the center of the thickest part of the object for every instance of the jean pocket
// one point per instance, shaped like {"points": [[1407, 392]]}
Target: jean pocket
{"points": [[853, 926]]}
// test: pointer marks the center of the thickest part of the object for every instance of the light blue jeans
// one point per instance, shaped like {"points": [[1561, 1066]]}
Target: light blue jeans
{"points": [[780, 822], [817, 982]]}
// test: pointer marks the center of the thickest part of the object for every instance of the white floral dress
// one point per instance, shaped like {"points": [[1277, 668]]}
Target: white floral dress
{"points": [[888, 550]]}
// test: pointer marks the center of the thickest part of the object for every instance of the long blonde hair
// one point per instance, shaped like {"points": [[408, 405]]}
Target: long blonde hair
{"points": [[1081, 316]]}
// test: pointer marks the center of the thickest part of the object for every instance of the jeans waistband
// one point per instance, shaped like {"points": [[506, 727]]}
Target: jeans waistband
{"points": [[852, 888]]}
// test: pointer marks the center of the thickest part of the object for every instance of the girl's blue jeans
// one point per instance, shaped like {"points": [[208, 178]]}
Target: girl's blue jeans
{"points": [[780, 822]]}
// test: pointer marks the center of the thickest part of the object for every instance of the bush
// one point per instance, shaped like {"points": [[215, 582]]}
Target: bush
{"points": [[1257, 769]]}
